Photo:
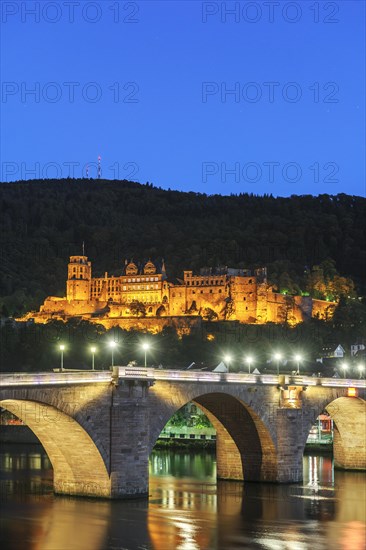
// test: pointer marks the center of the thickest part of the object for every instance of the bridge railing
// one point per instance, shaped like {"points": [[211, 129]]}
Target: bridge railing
{"points": [[231, 377], [142, 373], [53, 378]]}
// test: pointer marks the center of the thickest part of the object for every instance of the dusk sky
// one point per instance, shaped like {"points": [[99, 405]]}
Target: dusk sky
{"points": [[147, 85]]}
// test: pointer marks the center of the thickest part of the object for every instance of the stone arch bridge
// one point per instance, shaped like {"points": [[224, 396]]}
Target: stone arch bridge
{"points": [[99, 428]]}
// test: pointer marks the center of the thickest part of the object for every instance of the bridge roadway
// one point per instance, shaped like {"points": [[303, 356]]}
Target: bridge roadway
{"points": [[99, 427]]}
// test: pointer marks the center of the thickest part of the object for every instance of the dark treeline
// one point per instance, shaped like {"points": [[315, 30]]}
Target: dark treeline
{"points": [[43, 222], [35, 347]]}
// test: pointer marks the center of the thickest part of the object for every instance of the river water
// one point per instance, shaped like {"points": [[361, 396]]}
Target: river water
{"points": [[187, 509]]}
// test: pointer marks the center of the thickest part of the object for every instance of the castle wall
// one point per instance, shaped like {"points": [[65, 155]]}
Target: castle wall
{"points": [[182, 324], [262, 303], [178, 300], [288, 309], [322, 309], [244, 295]]}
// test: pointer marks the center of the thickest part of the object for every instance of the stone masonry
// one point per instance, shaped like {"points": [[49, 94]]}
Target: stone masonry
{"points": [[99, 435]]}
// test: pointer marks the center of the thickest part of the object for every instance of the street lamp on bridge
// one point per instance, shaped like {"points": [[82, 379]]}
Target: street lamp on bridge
{"points": [[62, 349], [249, 362], [227, 361], [361, 368], [145, 347], [298, 359], [278, 357], [93, 349], [344, 367], [112, 345]]}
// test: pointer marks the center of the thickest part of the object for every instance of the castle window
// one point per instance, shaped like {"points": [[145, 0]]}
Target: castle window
{"points": [[246, 309], [133, 280], [188, 283], [201, 291], [244, 299], [193, 292], [210, 290], [138, 280], [219, 290], [250, 281], [156, 279]]}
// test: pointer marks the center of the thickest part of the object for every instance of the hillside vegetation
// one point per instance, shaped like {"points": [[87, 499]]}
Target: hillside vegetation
{"points": [[309, 244]]}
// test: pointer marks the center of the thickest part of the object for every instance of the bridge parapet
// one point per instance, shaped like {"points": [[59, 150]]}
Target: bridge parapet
{"points": [[142, 373], [54, 378]]}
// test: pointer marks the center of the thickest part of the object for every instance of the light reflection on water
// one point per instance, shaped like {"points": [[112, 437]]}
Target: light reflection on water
{"points": [[187, 509]]}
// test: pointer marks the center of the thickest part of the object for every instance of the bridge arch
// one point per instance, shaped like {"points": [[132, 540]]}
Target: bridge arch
{"points": [[349, 443], [245, 449], [78, 466], [349, 424]]}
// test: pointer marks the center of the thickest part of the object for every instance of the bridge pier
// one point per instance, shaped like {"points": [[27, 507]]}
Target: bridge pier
{"points": [[289, 425], [129, 440]]}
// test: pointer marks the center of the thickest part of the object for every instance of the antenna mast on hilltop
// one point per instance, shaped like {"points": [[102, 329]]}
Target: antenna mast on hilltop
{"points": [[83, 249], [87, 171], [99, 168]]}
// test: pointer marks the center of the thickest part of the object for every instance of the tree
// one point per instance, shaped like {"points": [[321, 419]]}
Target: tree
{"points": [[137, 309], [286, 311], [209, 314]]}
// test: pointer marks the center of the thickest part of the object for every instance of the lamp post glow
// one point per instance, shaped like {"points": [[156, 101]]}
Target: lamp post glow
{"points": [[227, 360], [298, 361], [344, 367], [278, 357], [62, 348], [249, 361], [145, 347], [93, 349], [112, 345], [361, 368]]}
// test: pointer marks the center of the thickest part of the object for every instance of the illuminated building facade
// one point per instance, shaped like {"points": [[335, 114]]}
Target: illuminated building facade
{"points": [[142, 292]]}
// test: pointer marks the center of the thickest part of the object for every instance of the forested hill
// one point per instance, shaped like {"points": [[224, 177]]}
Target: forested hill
{"points": [[43, 222]]}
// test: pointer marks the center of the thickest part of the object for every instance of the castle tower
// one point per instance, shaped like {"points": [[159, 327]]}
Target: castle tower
{"points": [[78, 278]]}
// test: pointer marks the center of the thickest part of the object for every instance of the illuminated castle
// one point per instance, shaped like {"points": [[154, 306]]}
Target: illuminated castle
{"points": [[142, 297]]}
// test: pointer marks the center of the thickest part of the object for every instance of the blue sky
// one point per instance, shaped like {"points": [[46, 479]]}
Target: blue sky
{"points": [[146, 85]]}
